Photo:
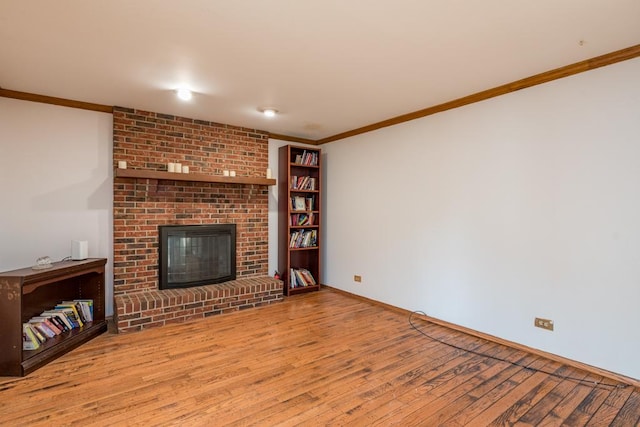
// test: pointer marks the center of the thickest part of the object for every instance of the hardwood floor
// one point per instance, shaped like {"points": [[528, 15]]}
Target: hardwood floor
{"points": [[316, 359]]}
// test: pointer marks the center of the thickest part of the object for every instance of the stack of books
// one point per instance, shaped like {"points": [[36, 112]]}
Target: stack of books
{"points": [[301, 219], [62, 318], [303, 239], [303, 183], [301, 277], [307, 158], [299, 203]]}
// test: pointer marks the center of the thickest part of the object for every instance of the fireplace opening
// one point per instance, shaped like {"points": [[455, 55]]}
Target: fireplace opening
{"points": [[194, 255]]}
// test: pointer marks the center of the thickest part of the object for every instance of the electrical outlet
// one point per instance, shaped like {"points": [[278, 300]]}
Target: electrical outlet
{"points": [[357, 278], [544, 323]]}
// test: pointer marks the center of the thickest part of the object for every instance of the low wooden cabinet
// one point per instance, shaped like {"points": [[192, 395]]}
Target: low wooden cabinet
{"points": [[26, 293]]}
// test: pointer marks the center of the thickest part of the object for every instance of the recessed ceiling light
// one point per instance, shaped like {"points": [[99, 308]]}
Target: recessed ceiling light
{"points": [[269, 112], [184, 94]]}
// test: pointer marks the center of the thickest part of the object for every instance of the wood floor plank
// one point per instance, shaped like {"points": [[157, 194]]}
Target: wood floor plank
{"points": [[510, 415], [629, 414], [322, 358], [589, 405], [414, 371], [503, 395], [566, 406], [545, 405], [461, 374], [610, 408], [446, 401], [480, 398]]}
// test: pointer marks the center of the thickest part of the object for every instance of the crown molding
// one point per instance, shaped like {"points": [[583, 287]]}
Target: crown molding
{"points": [[25, 96], [292, 138]]}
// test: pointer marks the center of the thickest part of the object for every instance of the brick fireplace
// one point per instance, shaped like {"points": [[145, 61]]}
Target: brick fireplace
{"points": [[149, 141]]}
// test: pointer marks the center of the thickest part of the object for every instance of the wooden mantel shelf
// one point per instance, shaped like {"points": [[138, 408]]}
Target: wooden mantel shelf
{"points": [[194, 177]]}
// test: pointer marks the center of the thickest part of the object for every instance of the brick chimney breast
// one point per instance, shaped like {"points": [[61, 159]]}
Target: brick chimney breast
{"points": [[149, 141]]}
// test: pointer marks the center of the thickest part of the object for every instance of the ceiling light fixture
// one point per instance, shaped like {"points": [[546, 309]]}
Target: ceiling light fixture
{"points": [[269, 112], [184, 94]]}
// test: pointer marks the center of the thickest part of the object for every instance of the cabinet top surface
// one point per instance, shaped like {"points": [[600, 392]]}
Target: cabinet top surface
{"points": [[61, 267]]}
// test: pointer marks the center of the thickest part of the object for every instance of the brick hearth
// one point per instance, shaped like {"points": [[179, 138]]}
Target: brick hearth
{"points": [[149, 141], [156, 308]]}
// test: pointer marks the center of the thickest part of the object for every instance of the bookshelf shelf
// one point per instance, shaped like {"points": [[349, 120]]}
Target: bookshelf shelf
{"points": [[26, 293], [299, 210]]}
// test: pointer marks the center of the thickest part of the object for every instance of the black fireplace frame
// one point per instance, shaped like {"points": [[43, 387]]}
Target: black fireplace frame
{"points": [[165, 231]]}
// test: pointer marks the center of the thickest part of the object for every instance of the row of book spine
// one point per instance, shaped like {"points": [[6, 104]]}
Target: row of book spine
{"points": [[307, 158], [303, 239], [299, 203], [62, 318], [301, 277], [302, 219], [302, 183]]}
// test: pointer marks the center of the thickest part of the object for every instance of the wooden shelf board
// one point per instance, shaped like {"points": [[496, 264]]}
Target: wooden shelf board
{"points": [[302, 289], [298, 165], [61, 344], [192, 177]]}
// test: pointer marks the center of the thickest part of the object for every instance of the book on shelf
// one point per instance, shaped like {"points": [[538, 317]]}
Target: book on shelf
{"points": [[55, 321], [47, 323], [77, 310], [88, 305], [29, 339], [38, 334], [303, 239], [301, 219], [60, 316], [307, 158], [302, 183], [298, 203], [84, 308], [42, 328], [301, 277], [308, 277], [71, 316]]}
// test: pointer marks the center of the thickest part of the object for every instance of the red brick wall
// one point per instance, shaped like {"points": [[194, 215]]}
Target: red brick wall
{"points": [[149, 141]]}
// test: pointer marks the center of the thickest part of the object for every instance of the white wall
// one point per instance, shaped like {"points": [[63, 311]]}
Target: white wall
{"points": [[56, 183], [494, 213]]}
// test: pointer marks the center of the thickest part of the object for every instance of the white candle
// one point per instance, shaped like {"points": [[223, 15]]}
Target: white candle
{"points": [[268, 173], [171, 167], [185, 169], [225, 172], [178, 168], [122, 164], [232, 173]]}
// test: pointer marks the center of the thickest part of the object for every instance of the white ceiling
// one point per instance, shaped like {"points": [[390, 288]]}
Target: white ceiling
{"points": [[328, 66]]}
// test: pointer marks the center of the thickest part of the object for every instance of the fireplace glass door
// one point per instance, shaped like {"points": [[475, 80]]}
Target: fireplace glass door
{"points": [[195, 255]]}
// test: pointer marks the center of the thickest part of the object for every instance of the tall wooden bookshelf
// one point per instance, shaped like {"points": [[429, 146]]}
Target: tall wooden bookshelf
{"points": [[299, 209]]}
